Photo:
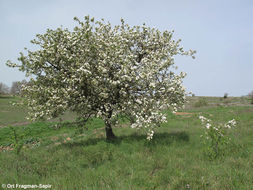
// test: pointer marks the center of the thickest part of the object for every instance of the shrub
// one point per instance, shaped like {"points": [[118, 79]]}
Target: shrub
{"points": [[251, 97], [215, 137], [200, 103]]}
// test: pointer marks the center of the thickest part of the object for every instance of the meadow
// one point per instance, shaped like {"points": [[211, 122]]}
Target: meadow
{"points": [[69, 157]]}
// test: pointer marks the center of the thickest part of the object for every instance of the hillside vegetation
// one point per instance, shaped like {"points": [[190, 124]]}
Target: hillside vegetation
{"points": [[70, 157]]}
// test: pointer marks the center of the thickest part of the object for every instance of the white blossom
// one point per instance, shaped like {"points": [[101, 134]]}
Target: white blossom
{"points": [[208, 125], [103, 70]]}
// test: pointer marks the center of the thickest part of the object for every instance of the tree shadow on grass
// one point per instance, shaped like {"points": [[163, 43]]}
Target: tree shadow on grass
{"points": [[5, 97], [158, 139]]}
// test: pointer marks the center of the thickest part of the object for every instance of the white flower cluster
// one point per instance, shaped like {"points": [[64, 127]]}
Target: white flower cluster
{"points": [[215, 136], [205, 121], [150, 135], [230, 124], [208, 125], [104, 71]]}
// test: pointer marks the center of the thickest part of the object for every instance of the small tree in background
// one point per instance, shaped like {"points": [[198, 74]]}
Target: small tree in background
{"points": [[225, 96], [4, 89], [17, 86], [251, 97], [103, 71]]}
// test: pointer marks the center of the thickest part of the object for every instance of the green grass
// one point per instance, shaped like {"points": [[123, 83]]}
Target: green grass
{"points": [[11, 114], [174, 159], [217, 101]]}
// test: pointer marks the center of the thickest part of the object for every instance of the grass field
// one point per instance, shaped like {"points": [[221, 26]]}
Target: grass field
{"points": [[66, 158], [11, 114]]}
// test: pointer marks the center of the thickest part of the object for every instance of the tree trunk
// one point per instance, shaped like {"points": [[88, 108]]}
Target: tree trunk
{"points": [[109, 133]]}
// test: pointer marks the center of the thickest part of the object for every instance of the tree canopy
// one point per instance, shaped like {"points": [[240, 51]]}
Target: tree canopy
{"points": [[100, 70]]}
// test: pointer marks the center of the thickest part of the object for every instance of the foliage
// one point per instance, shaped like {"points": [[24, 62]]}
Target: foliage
{"points": [[98, 70], [250, 94], [251, 97], [172, 160], [200, 103], [225, 95], [11, 114], [4, 89], [18, 141], [215, 137], [17, 86]]}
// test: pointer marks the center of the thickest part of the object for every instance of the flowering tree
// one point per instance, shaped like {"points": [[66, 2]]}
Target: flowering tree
{"points": [[98, 70], [16, 87], [215, 136]]}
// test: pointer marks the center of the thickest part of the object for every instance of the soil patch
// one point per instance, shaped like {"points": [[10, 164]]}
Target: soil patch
{"points": [[183, 113]]}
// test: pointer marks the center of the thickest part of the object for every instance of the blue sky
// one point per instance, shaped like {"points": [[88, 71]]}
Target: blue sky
{"points": [[219, 30]]}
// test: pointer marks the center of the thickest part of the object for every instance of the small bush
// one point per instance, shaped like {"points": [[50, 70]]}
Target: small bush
{"points": [[251, 97], [225, 96], [200, 103], [18, 140], [215, 137]]}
